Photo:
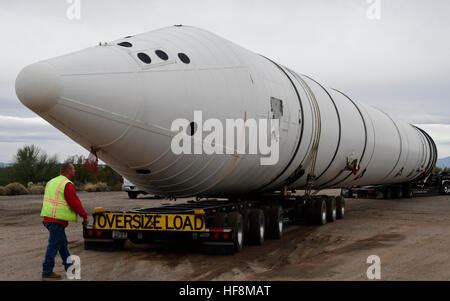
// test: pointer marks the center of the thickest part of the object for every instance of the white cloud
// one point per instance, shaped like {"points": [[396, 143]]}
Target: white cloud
{"points": [[15, 132]]}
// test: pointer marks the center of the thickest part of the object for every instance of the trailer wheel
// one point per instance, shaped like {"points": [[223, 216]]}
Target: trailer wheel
{"points": [[275, 228], [409, 193], [446, 188], [246, 222], [132, 194], [379, 194], [340, 207], [331, 209], [266, 211], [235, 221], [320, 211], [398, 193], [257, 227]]}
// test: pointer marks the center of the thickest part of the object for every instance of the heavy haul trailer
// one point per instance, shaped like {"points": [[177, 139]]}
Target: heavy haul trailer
{"points": [[164, 88], [220, 225], [434, 184]]}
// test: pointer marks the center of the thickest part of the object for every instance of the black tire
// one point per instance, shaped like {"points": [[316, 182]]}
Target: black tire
{"points": [[309, 211], [340, 207], [409, 193], [379, 194], [446, 188], [266, 211], [331, 209], [235, 221], [398, 193], [257, 227], [132, 194], [246, 221], [275, 224], [387, 194], [320, 211]]}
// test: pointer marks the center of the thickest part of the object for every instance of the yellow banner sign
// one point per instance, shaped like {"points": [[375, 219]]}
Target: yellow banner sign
{"points": [[152, 222]]}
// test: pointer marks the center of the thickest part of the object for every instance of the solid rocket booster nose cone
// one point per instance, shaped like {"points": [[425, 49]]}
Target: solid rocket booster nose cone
{"points": [[37, 87]]}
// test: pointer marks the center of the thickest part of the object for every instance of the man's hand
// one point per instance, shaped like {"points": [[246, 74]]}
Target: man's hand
{"points": [[86, 221]]}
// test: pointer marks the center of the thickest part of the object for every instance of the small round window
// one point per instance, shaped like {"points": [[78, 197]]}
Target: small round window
{"points": [[144, 57], [125, 44], [162, 55], [184, 58]]}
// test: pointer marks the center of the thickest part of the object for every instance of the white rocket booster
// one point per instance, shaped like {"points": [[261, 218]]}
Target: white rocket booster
{"points": [[122, 97]]}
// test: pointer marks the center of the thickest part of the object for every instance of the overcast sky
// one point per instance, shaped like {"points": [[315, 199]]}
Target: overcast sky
{"points": [[396, 58]]}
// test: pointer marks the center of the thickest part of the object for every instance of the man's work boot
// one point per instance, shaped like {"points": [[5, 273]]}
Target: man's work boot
{"points": [[52, 276]]}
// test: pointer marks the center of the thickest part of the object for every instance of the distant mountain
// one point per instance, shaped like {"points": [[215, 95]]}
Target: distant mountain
{"points": [[3, 165], [444, 162]]}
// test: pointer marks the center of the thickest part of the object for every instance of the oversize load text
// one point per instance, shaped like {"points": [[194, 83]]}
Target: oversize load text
{"points": [[155, 222]]}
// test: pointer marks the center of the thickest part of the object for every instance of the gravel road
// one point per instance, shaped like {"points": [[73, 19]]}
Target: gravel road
{"points": [[411, 237]]}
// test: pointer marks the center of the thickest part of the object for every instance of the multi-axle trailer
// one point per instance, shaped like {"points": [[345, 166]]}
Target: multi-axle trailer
{"points": [[221, 225], [433, 184]]}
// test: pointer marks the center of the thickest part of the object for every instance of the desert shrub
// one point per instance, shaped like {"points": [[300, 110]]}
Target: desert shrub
{"points": [[2, 190], [36, 189], [15, 189], [89, 187], [101, 186]]}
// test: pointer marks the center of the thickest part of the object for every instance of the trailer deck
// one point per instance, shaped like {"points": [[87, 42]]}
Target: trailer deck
{"points": [[222, 223]]}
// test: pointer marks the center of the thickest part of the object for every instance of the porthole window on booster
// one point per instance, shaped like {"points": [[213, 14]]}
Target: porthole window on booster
{"points": [[184, 58], [162, 55], [125, 44], [144, 58]]}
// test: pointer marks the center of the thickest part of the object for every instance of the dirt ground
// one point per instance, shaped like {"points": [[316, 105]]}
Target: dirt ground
{"points": [[411, 237]]}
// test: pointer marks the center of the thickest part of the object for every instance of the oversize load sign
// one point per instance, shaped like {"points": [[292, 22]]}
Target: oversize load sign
{"points": [[152, 222]]}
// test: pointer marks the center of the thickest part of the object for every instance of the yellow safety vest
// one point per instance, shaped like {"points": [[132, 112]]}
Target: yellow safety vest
{"points": [[54, 204]]}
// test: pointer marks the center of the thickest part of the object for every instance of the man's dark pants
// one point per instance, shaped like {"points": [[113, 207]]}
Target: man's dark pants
{"points": [[57, 242]]}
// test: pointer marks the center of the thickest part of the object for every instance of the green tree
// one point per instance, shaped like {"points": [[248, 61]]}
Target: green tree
{"points": [[31, 164], [6, 175], [109, 176]]}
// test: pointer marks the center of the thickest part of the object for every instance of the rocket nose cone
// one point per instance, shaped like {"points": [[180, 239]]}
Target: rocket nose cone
{"points": [[37, 87]]}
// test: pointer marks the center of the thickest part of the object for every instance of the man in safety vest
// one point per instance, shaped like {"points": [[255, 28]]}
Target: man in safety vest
{"points": [[60, 206]]}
